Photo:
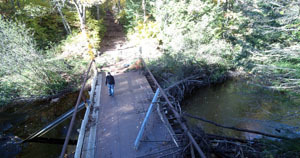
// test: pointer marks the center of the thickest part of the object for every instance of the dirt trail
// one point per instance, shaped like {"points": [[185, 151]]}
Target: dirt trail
{"points": [[116, 52], [114, 37]]}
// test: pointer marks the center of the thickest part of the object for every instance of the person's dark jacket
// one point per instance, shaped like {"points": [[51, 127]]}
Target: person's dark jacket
{"points": [[110, 80]]}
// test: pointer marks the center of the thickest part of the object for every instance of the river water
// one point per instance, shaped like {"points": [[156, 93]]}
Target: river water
{"points": [[233, 103], [239, 104], [19, 121]]}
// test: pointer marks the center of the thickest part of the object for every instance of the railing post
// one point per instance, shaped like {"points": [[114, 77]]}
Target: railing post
{"points": [[140, 134], [75, 111]]}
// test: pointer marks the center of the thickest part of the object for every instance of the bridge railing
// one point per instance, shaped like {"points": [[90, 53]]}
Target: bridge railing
{"points": [[86, 76], [177, 115]]}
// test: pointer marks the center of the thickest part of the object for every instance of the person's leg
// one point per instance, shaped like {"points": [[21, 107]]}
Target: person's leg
{"points": [[112, 89], [109, 89]]}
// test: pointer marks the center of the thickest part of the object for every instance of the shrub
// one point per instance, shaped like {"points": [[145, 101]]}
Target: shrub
{"points": [[24, 70], [261, 37]]}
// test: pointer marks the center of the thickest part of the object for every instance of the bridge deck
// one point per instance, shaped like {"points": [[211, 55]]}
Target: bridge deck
{"points": [[120, 118]]}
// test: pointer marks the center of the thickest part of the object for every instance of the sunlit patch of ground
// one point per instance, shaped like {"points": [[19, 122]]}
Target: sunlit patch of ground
{"points": [[118, 54]]}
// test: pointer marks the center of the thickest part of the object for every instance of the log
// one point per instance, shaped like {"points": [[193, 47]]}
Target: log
{"points": [[192, 150], [213, 136], [184, 80], [234, 128]]}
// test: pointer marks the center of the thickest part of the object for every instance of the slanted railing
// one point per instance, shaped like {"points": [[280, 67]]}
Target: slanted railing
{"points": [[33, 137], [82, 131], [177, 115], [76, 107], [140, 134]]}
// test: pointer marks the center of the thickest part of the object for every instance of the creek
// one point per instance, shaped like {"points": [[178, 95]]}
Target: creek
{"points": [[239, 104], [233, 103], [19, 121]]}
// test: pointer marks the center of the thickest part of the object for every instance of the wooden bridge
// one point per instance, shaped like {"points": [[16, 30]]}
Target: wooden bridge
{"points": [[128, 124], [133, 123], [114, 122]]}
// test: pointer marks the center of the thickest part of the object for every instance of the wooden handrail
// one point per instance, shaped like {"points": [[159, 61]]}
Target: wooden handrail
{"points": [[177, 115], [75, 111]]}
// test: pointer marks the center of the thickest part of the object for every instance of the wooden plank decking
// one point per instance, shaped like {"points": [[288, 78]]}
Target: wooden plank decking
{"points": [[111, 134]]}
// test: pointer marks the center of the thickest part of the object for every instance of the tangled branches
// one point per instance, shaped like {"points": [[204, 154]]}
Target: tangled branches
{"points": [[217, 145]]}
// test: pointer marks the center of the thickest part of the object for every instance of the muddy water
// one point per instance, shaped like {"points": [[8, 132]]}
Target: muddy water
{"points": [[20, 121], [239, 104]]}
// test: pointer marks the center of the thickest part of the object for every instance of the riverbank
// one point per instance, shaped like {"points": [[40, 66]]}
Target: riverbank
{"points": [[18, 103], [21, 121], [238, 104], [245, 99]]}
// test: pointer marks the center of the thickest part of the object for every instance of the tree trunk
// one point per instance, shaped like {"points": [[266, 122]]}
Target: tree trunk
{"points": [[83, 26], [98, 12], [144, 9], [81, 14], [13, 5], [18, 4], [225, 6], [65, 22], [119, 4]]}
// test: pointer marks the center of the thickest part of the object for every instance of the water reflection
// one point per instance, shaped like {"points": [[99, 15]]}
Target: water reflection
{"points": [[239, 104], [20, 121]]}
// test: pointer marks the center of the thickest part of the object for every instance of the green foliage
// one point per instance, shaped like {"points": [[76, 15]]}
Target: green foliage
{"points": [[132, 14], [24, 71], [261, 37], [38, 57], [93, 11], [194, 30], [146, 30], [43, 20], [123, 18], [35, 8], [96, 30], [272, 42], [176, 67], [30, 7], [46, 29]]}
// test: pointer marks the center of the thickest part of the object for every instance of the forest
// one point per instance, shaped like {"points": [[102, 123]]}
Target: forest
{"points": [[260, 38], [42, 47], [46, 45]]}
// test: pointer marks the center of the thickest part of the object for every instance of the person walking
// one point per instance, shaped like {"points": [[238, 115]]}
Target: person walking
{"points": [[110, 80]]}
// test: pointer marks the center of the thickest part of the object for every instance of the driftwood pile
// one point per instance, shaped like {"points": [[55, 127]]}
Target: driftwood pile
{"points": [[215, 145]]}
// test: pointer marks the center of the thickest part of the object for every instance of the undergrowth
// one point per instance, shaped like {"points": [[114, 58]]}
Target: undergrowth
{"points": [[39, 58]]}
